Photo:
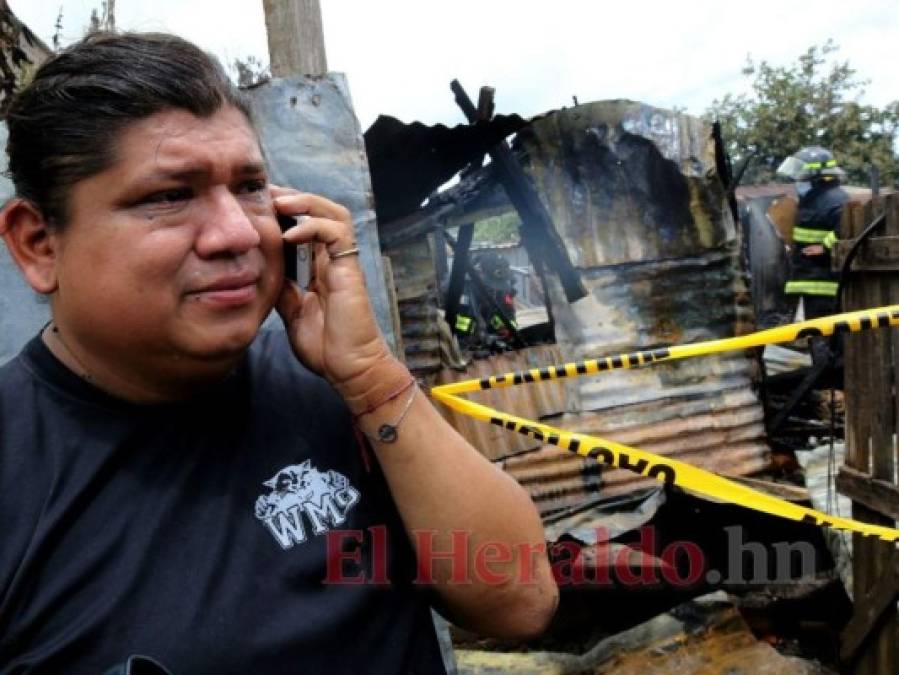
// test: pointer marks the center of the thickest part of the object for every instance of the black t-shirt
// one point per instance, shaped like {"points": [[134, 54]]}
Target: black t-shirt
{"points": [[201, 533]]}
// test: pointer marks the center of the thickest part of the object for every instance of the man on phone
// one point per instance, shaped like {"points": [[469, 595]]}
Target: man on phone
{"points": [[176, 483]]}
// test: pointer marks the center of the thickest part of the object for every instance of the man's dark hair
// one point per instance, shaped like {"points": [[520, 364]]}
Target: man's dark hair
{"points": [[64, 124]]}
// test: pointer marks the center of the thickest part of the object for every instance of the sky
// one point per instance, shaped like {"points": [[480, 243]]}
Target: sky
{"points": [[399, 56]]}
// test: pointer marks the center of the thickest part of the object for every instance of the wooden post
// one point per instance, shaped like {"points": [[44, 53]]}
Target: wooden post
{"points": [[537, 232], [296, 45], [296, 40]]}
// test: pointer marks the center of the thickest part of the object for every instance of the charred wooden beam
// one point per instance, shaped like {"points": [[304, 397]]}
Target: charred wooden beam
{"points": [[485, 110], [878, 495], [877, 254], [538, 235], [819, 368], [473, 199], [457, 275], [408, 228]]}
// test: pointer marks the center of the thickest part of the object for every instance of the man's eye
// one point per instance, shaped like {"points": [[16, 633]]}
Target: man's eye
{"points": [[169, 197], [252, 186]]}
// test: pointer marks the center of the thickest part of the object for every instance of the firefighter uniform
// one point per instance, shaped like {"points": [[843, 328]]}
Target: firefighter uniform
{"points": [[820, 213], [821, 204]]}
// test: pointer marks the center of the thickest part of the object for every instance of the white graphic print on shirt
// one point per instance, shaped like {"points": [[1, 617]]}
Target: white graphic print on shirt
{"points": [[301, 491]]}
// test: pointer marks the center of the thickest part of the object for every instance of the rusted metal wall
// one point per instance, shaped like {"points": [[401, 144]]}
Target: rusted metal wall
{"points": [[626, 182], [535, 401], [634, 193], [416, 292]]}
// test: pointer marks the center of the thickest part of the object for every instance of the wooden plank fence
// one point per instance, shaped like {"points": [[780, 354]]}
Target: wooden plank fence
{"points": [[869, 641]]}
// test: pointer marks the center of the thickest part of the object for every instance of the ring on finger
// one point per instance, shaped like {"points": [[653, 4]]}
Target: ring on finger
{"points": [[343, 254]]}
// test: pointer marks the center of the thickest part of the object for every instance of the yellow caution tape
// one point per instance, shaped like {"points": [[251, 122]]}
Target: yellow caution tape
{"points": [[649, 464]]}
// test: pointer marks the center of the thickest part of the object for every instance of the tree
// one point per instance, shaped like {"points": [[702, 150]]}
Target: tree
{"points": [[500, 229], [808, 103]]}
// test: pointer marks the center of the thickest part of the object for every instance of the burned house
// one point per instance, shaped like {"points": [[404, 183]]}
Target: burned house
{"points": [[638, 216]]}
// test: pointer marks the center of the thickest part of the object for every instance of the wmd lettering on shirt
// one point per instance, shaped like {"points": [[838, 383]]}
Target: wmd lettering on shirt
{"points": [[302, 495]]}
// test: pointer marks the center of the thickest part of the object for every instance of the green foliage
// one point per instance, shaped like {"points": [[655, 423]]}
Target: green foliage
{"points": [[498, 229], [808, 103]]}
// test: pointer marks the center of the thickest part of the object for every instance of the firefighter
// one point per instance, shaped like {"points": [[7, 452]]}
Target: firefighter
{"points": [[497, 275], [817, 178]]}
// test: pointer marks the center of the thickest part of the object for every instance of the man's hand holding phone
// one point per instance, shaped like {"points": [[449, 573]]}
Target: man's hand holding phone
{"points": [[331, 325]]}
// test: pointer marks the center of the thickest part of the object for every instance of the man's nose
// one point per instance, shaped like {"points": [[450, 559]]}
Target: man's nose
{"points": [[226, 227]]}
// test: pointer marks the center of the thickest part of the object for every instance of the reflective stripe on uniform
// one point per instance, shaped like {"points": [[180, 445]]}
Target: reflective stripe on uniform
{"points": [[497, 323], [830, 239], [463, 323], [806, 287], [805, 235]]}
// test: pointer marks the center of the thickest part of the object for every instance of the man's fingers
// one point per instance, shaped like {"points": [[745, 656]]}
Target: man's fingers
{"points": [[290, 202], [277, 191], [321, 259], [318, 220], [335, 235], [295, 307]]}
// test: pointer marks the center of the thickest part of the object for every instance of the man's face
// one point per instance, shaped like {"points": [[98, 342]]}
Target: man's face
{"points": [[172, 254]]}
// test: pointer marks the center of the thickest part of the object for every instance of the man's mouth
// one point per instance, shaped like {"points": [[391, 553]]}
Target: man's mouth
{"points": [[229, 290]]}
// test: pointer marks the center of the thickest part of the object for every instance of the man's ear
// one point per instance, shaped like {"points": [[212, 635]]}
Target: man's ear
{"points": [[31, 243]]}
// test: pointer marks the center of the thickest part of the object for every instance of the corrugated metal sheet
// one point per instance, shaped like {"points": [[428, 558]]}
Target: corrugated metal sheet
{"points": [[725, 443], [416, 290], [634, 193], [534, 401], [312, 141], [767, 224]]}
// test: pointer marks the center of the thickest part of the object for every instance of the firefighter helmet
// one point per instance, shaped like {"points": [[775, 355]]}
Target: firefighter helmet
{"points": [[810, 164]]}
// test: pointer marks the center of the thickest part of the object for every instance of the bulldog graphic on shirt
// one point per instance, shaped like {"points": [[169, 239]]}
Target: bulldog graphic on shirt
{"points": [[302, 496]]}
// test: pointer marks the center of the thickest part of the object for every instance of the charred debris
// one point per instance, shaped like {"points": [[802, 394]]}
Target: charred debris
{"points": [[631, 235]]}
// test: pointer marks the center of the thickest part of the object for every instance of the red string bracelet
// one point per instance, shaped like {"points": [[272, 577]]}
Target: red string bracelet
{"points": [[374, 406]]}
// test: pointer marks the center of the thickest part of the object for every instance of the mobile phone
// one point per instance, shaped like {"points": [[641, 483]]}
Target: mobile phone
{"points": [[290, 250], [297, 259]]}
